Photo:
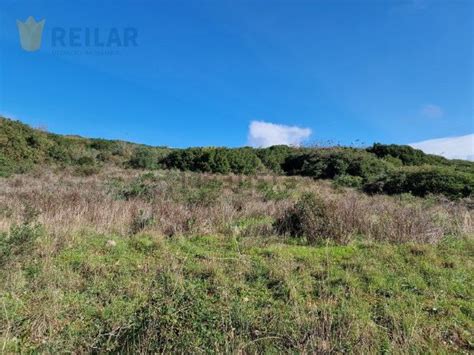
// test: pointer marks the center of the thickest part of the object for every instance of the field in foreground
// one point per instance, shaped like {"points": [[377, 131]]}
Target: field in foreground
{"points": [[151, 262]]}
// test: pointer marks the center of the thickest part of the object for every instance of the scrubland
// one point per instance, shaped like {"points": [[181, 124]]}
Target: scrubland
{"points": [[120, 260]]}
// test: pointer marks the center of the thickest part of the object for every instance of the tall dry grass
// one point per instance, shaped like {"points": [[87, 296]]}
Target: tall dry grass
{"points": [[170, 203]]}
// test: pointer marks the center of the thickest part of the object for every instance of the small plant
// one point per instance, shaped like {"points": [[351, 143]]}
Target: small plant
{"points": [[272, 192], [140, 187], [86, 170], [206, 194], [308, 218], [140, 221], [19, 240]]}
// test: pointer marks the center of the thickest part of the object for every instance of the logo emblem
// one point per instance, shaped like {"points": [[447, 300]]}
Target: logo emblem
{"points": [[30, 33]]}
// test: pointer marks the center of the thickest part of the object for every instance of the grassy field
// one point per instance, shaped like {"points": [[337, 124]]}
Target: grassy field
{"points": [[130, 262]]}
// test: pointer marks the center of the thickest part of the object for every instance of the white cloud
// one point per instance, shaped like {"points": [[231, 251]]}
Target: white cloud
{"points": [[265, 134], [452, 147], [432, 111]]}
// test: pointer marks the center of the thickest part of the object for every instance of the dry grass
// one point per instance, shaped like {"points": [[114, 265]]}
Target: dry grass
{"points": [[168, 203], [134, 262]]}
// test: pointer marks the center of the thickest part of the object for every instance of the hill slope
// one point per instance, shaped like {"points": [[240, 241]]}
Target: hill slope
{"points": [[381, 168]]}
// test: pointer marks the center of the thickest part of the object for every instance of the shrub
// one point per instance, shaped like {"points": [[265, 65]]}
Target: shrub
{"points": [[407, 154], [85, 161], [215, 160], [272, 192], [144, 158], [274, 157], [86, 170], [204, 195], [349, 181], [424, 181], [329, 163], [6, 167], [307, 218], [138, 188], [19, 241], [141, 220]]}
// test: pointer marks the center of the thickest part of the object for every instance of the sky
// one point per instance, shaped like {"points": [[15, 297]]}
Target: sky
{"points": [[245, 72]]}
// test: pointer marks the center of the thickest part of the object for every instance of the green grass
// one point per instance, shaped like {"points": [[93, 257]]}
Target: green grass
{"points": [[212, 293]]}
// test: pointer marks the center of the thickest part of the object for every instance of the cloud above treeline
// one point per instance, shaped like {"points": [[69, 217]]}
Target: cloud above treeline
{"points": [[451, 147], [266, 134]]}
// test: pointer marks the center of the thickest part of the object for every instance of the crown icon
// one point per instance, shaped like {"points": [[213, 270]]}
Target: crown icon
{"points": [[30, 33]]}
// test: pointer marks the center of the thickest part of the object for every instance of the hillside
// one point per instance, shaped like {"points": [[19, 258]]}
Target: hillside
{"points": [[390, 169], [109, 246], [127, 261]]}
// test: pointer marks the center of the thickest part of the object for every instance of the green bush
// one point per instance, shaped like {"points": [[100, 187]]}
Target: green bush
{"points": [[215, 160], [205, 194], [272, 192], [307, 218], [424, 181], [407, 154], [19, 240], [349, 181], [139, 188], [329, 163], [274, 157], [144, 158]]}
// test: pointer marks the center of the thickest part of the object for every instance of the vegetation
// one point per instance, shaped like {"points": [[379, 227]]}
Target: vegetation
{"points": [[132, 261], [215, 294], [390, 169], [424, 181], [109, 246]]}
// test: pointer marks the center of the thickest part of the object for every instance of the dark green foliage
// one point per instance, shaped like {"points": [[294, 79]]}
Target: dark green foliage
{"points": [[407, 154], [330, 163], [410, 156], [215, 160], [86, 161], [380, 168], [384, 174], [424, 181], [274, 157]]}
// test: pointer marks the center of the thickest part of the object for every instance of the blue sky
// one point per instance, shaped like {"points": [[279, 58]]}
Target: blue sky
{"points": [[202, 71]]}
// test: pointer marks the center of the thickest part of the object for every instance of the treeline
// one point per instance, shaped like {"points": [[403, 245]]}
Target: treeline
{"points": [[381, 168]]}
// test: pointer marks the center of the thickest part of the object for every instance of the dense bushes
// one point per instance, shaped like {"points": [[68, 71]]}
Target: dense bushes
{"points": [[407, 154], [356, 168], [144, 159], [22, 147], [331, 163], [410, 156], [378, 169], [215, 160], [424, 181], [274, 157]]}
